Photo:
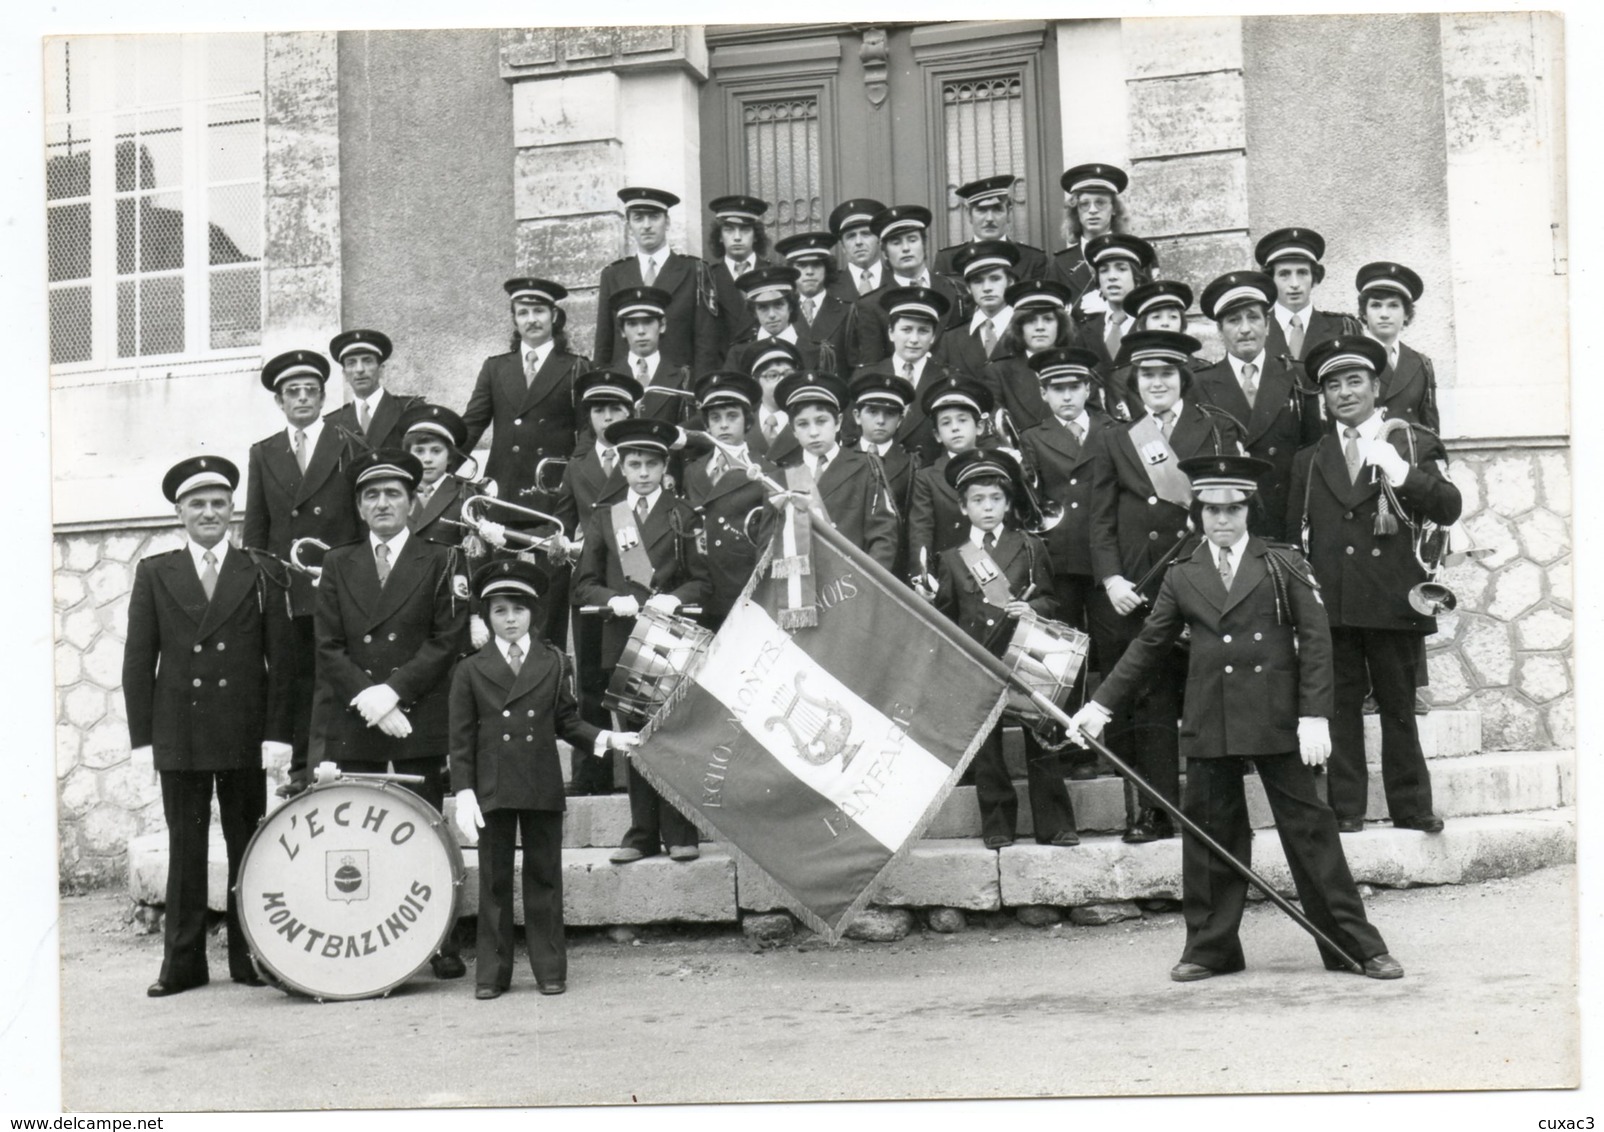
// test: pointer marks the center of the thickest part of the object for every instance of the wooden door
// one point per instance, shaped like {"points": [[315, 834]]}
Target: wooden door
{"points": [[810, 115]]}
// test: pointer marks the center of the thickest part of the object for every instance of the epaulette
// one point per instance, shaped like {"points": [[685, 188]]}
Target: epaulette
{"points": [[620, 262]]}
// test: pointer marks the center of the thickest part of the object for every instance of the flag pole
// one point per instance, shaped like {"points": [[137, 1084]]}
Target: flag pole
{"points": [[1243, 870]]}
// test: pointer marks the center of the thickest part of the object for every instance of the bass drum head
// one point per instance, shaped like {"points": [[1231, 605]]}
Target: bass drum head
{"points": [[347, 890]]}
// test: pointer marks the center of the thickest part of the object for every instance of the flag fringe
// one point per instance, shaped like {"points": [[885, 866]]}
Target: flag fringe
{"points": [[805, 618], [793, 567]]}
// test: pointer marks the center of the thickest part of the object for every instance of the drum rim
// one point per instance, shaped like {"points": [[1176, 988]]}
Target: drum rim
{"points": [[695, 637], [459, 879]]}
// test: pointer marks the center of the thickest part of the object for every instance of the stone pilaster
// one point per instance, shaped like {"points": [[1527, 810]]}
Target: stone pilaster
{"points": [[593, 110]]}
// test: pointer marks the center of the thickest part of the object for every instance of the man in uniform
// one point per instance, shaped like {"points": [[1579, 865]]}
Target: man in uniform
{"points": [[989, 208], [1360, 489], [904, 232], [642, 314], [1291, 257], [392, 619], [1261, 392], [1258, 691], [372, 417], [690, 330], [852, 224], [1092, 208], [294, 490], [203, 686]]}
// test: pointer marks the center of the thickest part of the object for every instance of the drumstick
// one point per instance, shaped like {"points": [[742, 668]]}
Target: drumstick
{"points": [[593, 610]]}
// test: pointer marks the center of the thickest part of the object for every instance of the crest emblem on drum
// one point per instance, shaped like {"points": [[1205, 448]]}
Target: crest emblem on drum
{"points": [[820, 728], [347, 874]]}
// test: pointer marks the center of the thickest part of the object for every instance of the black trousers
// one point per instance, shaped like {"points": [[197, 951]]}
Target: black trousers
{"points": [[554, 607], [1213, 895], [1073, 592], [1145, 732], [654, 824], [432, 790], [1051, 811], [187, 806], [1383, 661], [542, 832], [300, 662], [591, 775]]}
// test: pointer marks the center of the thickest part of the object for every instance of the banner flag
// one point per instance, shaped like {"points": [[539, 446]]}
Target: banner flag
{"points": [[819, 755]]}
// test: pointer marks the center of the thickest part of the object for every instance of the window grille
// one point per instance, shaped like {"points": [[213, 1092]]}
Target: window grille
{"points": [[984, 119], [783, 164]]}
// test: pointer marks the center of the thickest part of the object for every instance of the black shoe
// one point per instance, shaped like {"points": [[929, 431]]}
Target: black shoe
{"points": [[1191, 972], [553, 986], [448, 966], [1383, 967], [1430, 823], [997, 841], [486, 992], [1350, 825], [1140, 833], [160, 989], [249, 980], [1083, 772]]}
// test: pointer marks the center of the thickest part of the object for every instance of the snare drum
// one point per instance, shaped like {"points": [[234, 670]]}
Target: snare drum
{"points": [[656, 657], [1047, 656], [348, 889]]}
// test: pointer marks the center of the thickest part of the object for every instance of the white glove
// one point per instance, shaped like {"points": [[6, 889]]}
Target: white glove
{"points": [[143, 758], [493, 533], [618, 740], [624, 606], [394, 724], [663, 603], [469, 820], [315, 573], [1092, 302], [1314, 740], [375, 702], [1088, 721], [1384, 456], [478, 631], [1123, 595], [275, 756]]}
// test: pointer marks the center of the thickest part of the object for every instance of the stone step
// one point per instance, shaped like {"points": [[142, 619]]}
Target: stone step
{"points": [[1493, 783], [961, 873]]}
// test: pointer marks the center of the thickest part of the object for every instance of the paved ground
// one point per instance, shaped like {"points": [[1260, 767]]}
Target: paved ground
{"points": [[1489, 1002]]}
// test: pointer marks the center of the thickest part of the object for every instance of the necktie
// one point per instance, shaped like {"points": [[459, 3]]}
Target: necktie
{"points": [[530, 368], [1250, 382], [907, 370], [1166, 422], [865, 282], [381, 555], [1350, 450], [363, 416], [742, 268], [515, 658], [300, 449], [1076, 431], [819, 473], [420, 500], [640, 370], [1295, 336], [771, 426], [715, 467], [1116, 331], [1225, 568], [988, 336], [649, 276], [209, 575], [989, 541], [609, 460], [640, 511]]}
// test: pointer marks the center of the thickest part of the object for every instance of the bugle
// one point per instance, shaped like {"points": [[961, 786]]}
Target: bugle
{"points": [[298, 547], [1431, 543], [1038, 515], [543, 467], [476, 518]]}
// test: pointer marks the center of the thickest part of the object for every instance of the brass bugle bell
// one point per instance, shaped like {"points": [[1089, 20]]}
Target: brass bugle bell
{"points": [[1038, 514], [1462, 548], [1431, 598], [542, 478]]}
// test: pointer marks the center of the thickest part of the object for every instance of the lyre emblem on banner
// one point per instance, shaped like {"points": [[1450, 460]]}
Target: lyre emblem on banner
{"points": [[819, 727]]}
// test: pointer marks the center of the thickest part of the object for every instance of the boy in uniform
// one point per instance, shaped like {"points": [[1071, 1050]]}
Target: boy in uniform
{"points": [[509, 703], [738, 243], [772, 435], [1057, 458], [641, 551], [912, 317], [936, 519], [769, 294], [1092, 207], [434, 435], [844, 485], [879, 402], [1258, 691], [990, 268], [1122, 263], [986, 583], [1388, 293], [641, 314], [1291, 257], [823, 316], [904, 233]]}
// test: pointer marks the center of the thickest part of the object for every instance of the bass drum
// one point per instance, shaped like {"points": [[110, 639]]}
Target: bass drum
{"points": [[347, 890]]}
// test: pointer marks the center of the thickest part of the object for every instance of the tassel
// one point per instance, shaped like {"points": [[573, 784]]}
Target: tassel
{"points": [[805, 618], [1386, 522]]}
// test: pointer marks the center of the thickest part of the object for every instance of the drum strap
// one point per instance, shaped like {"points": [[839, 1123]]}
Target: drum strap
{"points": [[632, 555], [988, 576], [1158, 460]]}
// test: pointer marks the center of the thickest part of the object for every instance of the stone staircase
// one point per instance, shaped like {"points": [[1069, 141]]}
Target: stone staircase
{"points": [[1507, 813]]}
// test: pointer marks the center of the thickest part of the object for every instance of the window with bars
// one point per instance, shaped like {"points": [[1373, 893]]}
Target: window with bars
{"points": [[783, 162], [154, 196], [984, 122]]}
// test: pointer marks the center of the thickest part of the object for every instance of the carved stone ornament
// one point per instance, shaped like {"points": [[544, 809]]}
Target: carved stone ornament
{"points": [[874, 54]]}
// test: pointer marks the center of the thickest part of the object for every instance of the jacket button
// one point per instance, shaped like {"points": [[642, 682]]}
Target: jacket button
{"points": [[531, 712], [1228, 668], [989, 621], [295, 512], [506, 738], [1073, 482], [368, 640], [1152, 499], [1226, 638], [219, 646], [1258, 668], [1180, 534], [515, 448], [197, 682], [1152, 536], [517, 421], [506, 713], [1073, 506], [1258, 636], [222, 683], [1272, 451], [717, 542], [1375, 552], [1347, 514], [391, 637], [197, 648], [1349, 549], [317, 510]]}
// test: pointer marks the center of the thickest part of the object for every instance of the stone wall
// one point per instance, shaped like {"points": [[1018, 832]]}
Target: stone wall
{"points": [[1507, 649]]}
